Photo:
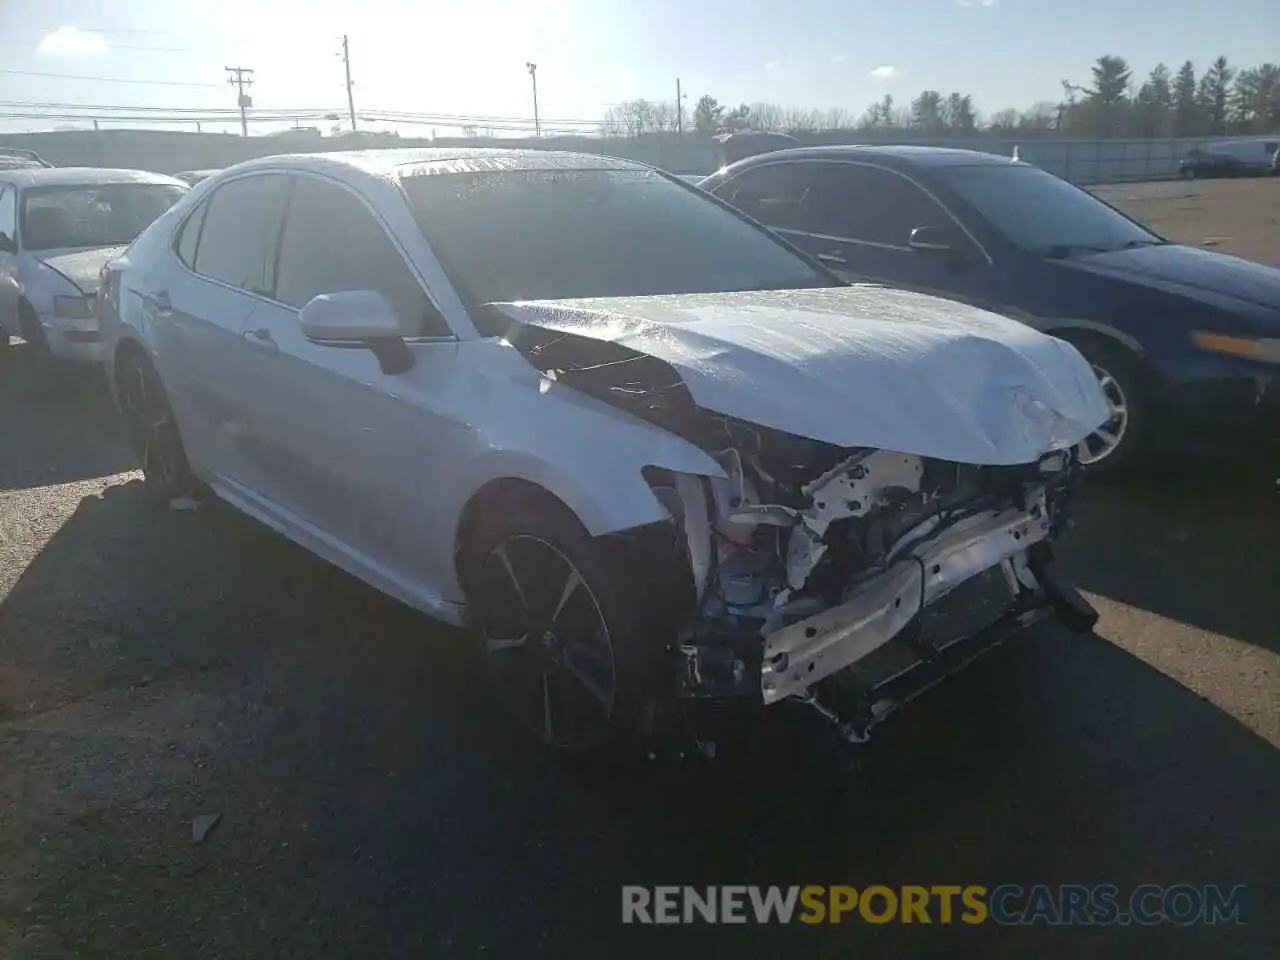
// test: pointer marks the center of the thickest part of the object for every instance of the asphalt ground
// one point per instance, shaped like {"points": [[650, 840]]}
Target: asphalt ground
{"points": [[158, 665]]}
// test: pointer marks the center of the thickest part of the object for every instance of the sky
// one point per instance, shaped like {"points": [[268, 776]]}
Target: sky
{"points": [[469, 58]]}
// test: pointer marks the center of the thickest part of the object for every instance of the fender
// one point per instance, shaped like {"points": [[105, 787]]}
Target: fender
{"points": [[1055, 325]]}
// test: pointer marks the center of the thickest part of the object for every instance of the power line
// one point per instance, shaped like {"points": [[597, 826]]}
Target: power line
{"points": [[114, 46], [94, 107], [77, 76], [104, 111]]}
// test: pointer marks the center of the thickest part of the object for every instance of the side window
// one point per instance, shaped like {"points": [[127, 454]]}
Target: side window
{"points": [[189, 236], [237, 237], [773, 194], [8, 212], [859, 202], [332, 242]]}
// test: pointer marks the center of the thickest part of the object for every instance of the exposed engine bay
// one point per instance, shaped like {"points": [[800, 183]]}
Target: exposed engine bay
{"points": [[839, 577]]}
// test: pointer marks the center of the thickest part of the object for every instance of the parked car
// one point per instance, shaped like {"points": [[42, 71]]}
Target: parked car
{"points": [[741, 144], [650, 452], [58, 226], [1229, 158], [15, 158], [192, 177], [1198, 164], [1185, 341]]}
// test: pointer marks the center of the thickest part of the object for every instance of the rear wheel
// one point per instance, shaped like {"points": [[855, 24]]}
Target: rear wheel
{"points": [[152, 429]]}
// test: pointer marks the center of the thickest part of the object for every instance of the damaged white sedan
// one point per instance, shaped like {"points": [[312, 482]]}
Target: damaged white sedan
{"points": [[650, 452]]}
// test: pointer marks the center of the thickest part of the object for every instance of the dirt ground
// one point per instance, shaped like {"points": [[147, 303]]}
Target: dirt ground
{"points": [[1240, 217], [159, 666]]}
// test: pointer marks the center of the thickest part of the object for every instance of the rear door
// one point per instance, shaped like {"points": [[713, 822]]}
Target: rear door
{"points": [[197, 311]]}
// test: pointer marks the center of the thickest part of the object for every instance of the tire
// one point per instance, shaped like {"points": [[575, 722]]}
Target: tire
{"points": [[1122, 380], [33, 334], [151, 427], [563, 625]]}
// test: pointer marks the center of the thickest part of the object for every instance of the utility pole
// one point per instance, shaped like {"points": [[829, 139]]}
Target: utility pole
{"points": [[346, 62], [679, 110], [533, 74], [240, 78]]}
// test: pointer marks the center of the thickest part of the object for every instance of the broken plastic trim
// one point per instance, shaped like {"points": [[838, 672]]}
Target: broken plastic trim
{"points": [[801, 654]]}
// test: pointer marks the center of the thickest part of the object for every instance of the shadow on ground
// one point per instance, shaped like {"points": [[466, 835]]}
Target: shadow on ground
{"points": [[1194, 540], [374, 804], [59, 423]]}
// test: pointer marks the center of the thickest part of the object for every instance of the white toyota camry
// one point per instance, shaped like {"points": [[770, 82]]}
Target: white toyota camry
{"points": [[650, 452]]}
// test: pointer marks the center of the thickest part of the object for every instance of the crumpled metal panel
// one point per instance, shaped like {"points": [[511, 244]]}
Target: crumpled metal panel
{"points": [[857, 366]]}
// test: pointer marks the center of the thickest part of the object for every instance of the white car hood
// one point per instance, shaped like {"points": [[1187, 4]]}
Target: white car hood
{"points": [[857, 366], [80, 266]]}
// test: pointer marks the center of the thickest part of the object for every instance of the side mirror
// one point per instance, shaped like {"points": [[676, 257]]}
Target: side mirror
{"points": [[361, 319], [7, 244], [933, 240]]}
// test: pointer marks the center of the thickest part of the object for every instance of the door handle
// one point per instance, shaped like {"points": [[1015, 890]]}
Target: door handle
{"points": [[161, 305], [832, 258], [262, 339]]}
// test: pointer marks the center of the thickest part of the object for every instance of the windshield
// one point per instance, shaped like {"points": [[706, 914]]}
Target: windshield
{"points": [[1040, 212], [533, 235], [92, 215]]}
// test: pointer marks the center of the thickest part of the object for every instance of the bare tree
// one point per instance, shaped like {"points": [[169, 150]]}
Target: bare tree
{"points": [[800, 120], [766, 116], [837, 118]]}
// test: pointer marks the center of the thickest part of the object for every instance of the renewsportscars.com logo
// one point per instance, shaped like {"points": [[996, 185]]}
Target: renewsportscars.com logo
{"points": [[1007, 904]]}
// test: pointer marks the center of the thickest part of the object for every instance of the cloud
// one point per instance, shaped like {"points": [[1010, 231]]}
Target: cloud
{"points": [[72, 42], [886, 72]]}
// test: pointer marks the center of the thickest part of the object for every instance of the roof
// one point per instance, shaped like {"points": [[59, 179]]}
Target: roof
{"points": [[80, 176], [394, 162], [906, 153]]}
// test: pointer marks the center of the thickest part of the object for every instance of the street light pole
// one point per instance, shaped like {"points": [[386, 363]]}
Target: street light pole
{"points": [[533, 75]]}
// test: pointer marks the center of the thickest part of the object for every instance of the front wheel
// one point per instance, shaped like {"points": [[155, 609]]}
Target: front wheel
{"points": [[1115, 446], [151, 427], [561, 626]]}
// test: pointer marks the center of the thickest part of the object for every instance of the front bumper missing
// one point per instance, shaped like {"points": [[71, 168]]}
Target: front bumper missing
{"points": [[801, 654], [877, 648]]}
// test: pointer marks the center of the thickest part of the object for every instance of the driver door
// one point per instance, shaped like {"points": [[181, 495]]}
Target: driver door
{"points": [[344, 452]]}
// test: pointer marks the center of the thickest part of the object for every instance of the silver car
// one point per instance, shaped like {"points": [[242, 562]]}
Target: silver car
{"points": [[654, 455], [58, 227]]}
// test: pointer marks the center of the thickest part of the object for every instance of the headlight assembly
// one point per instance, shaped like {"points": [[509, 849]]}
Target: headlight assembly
{"points": [[73, 308]]}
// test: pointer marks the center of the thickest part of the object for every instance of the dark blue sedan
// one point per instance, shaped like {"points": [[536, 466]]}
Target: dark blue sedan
{"points": [[1186, 343]]}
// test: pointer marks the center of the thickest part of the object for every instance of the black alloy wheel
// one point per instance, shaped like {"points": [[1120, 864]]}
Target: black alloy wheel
{"points": [[152, 429]]}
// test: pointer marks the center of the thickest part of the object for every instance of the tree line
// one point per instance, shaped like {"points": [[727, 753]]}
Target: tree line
{"points": [[1222, 100]]}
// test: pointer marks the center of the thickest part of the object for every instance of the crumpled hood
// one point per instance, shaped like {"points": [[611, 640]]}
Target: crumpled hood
{"points": [[80, 266], [857, 366]]}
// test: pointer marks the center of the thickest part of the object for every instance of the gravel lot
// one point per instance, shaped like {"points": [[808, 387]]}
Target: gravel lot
{"points": [[159, 665], [1241, 217]]}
